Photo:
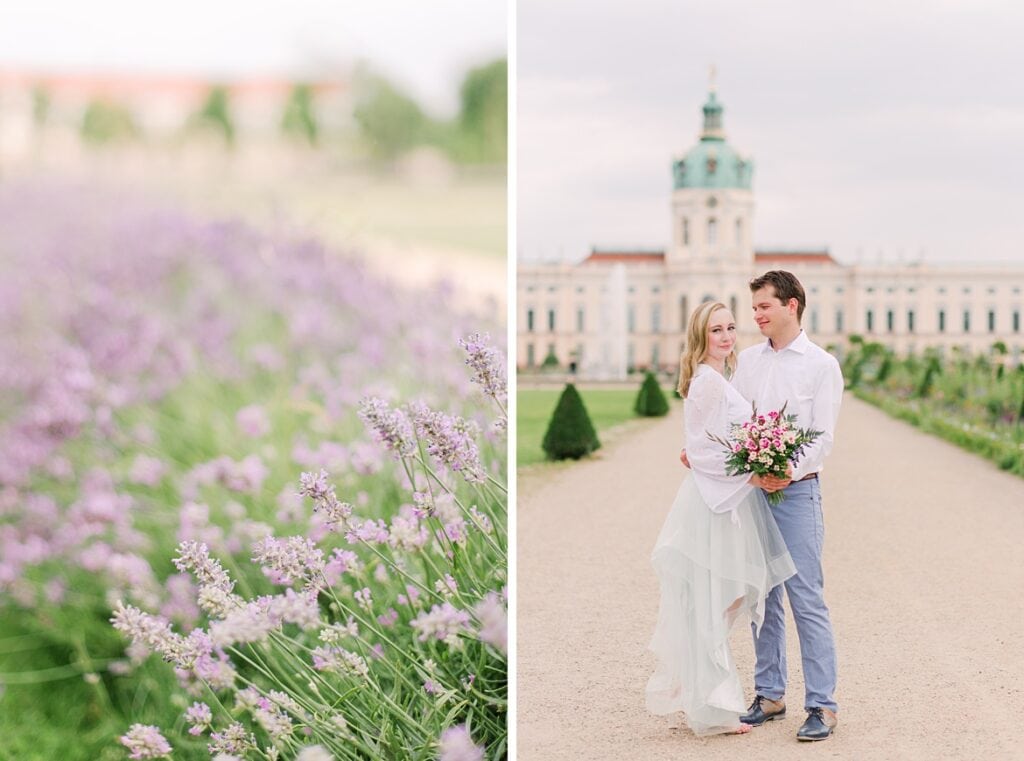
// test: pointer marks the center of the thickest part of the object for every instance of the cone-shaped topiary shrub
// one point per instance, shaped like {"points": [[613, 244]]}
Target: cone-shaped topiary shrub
{"points": [[651, 401], [570, 433]]}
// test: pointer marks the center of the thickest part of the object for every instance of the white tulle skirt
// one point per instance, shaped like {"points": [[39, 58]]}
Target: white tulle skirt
{"points": [[714, 571]]}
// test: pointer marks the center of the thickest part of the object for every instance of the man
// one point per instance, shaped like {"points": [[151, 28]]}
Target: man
{"points": [[789, 369]]}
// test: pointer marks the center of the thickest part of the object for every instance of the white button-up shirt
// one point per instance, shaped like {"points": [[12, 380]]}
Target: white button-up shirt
{"points": [[807, 379]]}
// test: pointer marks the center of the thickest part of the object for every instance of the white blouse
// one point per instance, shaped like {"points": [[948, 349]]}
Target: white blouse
{"points": [[713, 406]]}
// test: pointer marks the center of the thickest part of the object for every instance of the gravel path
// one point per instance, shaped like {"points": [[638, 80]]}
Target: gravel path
{"points": [[924, 570]]}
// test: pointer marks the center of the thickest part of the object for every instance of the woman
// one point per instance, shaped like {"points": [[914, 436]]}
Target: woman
{"points": [[719, 552]]}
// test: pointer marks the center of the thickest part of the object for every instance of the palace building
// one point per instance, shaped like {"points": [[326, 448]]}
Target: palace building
{"points": [[619, 310]]}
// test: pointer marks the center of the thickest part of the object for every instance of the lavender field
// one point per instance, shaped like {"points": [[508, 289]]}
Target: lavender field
{"points": [[252, 496]]}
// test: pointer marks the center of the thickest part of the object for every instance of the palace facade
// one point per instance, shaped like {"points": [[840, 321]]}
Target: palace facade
{"points": [[618, 310]]}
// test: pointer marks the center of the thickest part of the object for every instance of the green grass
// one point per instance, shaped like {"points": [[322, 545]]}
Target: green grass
{"points": [[606, 407], [466, 214]]}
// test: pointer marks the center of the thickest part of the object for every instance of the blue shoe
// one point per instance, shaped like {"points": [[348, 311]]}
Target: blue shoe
{"points": [[819, 725], [764, 709]]}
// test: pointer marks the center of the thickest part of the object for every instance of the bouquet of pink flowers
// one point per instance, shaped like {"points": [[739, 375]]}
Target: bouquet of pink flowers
{"points": [[766, 445]]}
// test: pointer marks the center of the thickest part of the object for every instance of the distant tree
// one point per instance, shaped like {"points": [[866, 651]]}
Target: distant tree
{"points": [[550, 361], [40, 106], [650, 401], [215, 114], [885, 368], [107, 122], [299, 117], [932, 369], [570, 433], [389, 121], [483, 118]]}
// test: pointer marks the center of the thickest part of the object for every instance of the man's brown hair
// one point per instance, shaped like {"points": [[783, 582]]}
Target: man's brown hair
{"points": [[786, 287]]}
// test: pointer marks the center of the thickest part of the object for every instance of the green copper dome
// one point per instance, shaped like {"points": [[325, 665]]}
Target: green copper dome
{"points": [[712, 163]]}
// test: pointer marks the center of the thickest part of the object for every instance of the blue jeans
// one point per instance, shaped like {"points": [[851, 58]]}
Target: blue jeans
{"points": [[800, 522]]}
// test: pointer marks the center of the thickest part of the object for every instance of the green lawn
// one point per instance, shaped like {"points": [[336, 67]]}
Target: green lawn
{"points": [[607, 408]]}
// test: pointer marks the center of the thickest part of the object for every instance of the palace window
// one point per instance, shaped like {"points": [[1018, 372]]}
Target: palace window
{"points": [[942, 320], [551, 320], [839, 321], [579, 320], [686, 231], [732, 305], [656, 318], [991, 321], [1016, 321], [654, 356], [910, 321], [684, 312], [967, 321], [739, 232], [870, 320], [890, 321], [531, 357], [814, 320], [631, 318], [529, 320], [712, 232]]}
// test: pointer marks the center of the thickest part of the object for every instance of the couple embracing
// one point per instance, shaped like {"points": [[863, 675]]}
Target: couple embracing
{"points": [[724, 553]]}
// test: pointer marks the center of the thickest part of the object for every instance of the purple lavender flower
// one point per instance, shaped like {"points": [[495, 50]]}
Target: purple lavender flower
{"points": [[369, 531], [488, 366], [341, 562], [443, 622], [253, 421], [457, 745], [199, 716], [390, 426], [314, 753], [234, 739], [295, 558], [493, 622], [450, 440], [148, 471], [339, 660], [145, 741], [316, 487]]}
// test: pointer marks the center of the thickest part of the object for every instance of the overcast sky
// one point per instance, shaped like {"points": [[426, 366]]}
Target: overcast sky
{"points": [[877, 126], [427, 46]]}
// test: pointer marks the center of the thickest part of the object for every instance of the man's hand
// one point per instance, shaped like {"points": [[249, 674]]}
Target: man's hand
{"points": [[773, 483], [684, 459]]}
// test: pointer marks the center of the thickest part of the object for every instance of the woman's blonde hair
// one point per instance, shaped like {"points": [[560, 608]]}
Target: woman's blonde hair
{"points": [[697, 345]]}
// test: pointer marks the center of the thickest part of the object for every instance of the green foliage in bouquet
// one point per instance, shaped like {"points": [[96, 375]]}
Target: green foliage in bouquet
{"points": [[650, 401], [570, 433]]}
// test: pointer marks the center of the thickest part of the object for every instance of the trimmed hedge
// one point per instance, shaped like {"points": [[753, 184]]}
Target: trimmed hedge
{"points": [[570, 433], [650, 401]]}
